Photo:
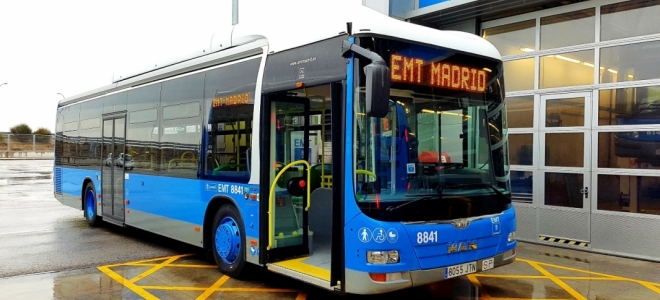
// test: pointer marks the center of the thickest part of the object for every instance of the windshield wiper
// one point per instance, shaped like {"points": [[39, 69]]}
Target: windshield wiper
{"points": [[431, 197], [481, 185]]}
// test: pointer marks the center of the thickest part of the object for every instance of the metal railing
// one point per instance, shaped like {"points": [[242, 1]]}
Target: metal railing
{"points": [[27, 145]]}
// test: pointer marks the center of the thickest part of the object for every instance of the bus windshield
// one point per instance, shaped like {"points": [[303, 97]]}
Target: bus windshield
{"points": [[441, 152]]}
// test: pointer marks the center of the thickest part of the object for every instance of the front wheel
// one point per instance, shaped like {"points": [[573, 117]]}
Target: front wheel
{"points": [[90, 206], [228, 244]]}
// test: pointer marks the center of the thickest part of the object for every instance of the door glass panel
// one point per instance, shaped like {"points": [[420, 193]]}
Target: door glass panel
{"points": [[563, 189], [564, 149], [636, 194], [564, 112], [108, 166], [288, 144], [121, 160]]}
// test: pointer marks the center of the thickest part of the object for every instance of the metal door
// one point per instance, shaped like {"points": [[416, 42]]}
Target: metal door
{"points": [[565, 155], [112, 182]]}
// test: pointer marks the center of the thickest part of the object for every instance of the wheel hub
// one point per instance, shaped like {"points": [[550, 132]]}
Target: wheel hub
{"points": [[228, 240], [89, 202]]}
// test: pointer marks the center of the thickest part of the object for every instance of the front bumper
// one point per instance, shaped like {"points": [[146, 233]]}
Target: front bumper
{"points": [[361, 283]]}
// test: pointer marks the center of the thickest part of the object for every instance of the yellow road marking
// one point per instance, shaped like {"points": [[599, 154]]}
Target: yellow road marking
{"points": [[176, 266], [613, 277], [558, 281], [220, 289], [482, 292], [213, 288], [511, 276], [298, 265], [156, 268], [128, 284], [650, 286]]}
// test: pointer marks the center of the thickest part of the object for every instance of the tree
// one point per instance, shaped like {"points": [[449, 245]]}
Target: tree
{"points": [[21, 129], [43, 131]]}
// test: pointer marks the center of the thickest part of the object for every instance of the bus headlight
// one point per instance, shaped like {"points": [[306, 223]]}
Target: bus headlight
{"points": [[383, 257], [512, 237]]}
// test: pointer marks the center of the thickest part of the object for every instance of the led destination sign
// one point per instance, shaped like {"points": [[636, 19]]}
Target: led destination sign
{"points": [[444, 75], [231, 100]]}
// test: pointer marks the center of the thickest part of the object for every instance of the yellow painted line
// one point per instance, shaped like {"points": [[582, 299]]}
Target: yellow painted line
{"points": [[591, 278], [298, 265], [511, 276], [557, 281], [155, 268], [220, 289], [650, 286], [213, 288], [176, 266], [127, 283], [482, 292]]}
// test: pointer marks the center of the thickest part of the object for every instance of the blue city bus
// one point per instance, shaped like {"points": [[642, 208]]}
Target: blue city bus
{"points": [[361, 157]]}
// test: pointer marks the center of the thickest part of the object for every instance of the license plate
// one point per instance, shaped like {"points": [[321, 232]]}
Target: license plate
{"points": [[461, 269], [488, 264]]}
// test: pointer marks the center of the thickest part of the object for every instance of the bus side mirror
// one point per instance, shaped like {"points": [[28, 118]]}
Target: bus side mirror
{"points": [[377, 89]]}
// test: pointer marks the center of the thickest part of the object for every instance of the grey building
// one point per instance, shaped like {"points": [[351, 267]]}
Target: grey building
{"points": [[582, 82]]}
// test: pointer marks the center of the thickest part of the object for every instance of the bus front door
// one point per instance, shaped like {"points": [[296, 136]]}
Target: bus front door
{"points": [[112, 176], [285, 177]]}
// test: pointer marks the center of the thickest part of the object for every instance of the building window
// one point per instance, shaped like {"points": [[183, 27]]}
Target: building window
{"points": [[581, 25], [521, 149], [629, 19], [630, 62], [629, 106], [567, 69], [513, 38], [522, 186], [635, 194], [520, 111], [519, 74], [639, 149]]}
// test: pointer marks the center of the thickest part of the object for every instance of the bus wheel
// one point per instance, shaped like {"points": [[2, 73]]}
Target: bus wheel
{"points": [[228, 241], [90, 206]]}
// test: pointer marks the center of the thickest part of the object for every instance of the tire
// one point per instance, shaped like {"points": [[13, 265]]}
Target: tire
{"points": [[228, 241], [90, 206]]}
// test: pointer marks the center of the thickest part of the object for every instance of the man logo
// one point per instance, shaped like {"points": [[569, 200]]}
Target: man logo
{"points": [[461, 223], [461, 246]]}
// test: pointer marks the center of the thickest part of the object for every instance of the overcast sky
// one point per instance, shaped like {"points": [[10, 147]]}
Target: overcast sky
{"points": [[72, 46]]}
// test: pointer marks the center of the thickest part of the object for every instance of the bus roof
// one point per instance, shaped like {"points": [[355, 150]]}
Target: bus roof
{"points": [[308, 22]]}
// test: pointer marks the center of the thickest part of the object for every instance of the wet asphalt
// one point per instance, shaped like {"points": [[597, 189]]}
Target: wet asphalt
{"points": [[39, 234], [47, 251]]}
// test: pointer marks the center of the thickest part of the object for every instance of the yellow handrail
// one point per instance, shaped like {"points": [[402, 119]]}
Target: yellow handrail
{"points": [[365, 172], [271, 222]]}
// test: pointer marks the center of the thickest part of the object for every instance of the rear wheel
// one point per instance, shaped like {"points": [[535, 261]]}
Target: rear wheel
{"points": [[90, 206], [228, 241]]}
